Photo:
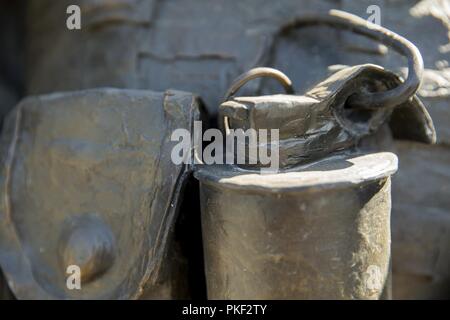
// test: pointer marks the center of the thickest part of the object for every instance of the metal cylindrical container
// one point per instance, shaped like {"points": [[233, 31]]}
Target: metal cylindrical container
{"points": [[319, 232]]}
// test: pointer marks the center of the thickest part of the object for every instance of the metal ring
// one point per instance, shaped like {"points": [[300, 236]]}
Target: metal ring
{"points": [[371, 100], [254, 73]]}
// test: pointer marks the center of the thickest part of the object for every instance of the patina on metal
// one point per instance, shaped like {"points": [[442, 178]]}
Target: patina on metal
{"points": [[104, 196], [87, 181], [320, 227], [322, 117], [320, 232]]}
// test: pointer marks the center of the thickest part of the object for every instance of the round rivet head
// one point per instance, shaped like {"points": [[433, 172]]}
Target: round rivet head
{"points": [[87, 242]]}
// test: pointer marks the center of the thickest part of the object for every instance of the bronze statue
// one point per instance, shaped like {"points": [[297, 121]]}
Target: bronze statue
{"points": [[103, 195], [319, 228], [88, 181]]}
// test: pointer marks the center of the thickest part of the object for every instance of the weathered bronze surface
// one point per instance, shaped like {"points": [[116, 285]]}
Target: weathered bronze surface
{"points": [[323, 119], [87, 180], [319, 232], [199, 46], [320, 228]]}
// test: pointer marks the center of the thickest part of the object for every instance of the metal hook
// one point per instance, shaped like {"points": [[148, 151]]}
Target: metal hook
{"points": [[254, 73], [346, 21]]}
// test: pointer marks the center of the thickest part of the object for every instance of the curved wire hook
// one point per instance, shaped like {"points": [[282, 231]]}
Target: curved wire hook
{"points": [[260, 72], [346, 21]]}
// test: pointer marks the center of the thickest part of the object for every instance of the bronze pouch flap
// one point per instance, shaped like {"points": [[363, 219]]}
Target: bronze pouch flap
{"points": [[87, 180]]}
